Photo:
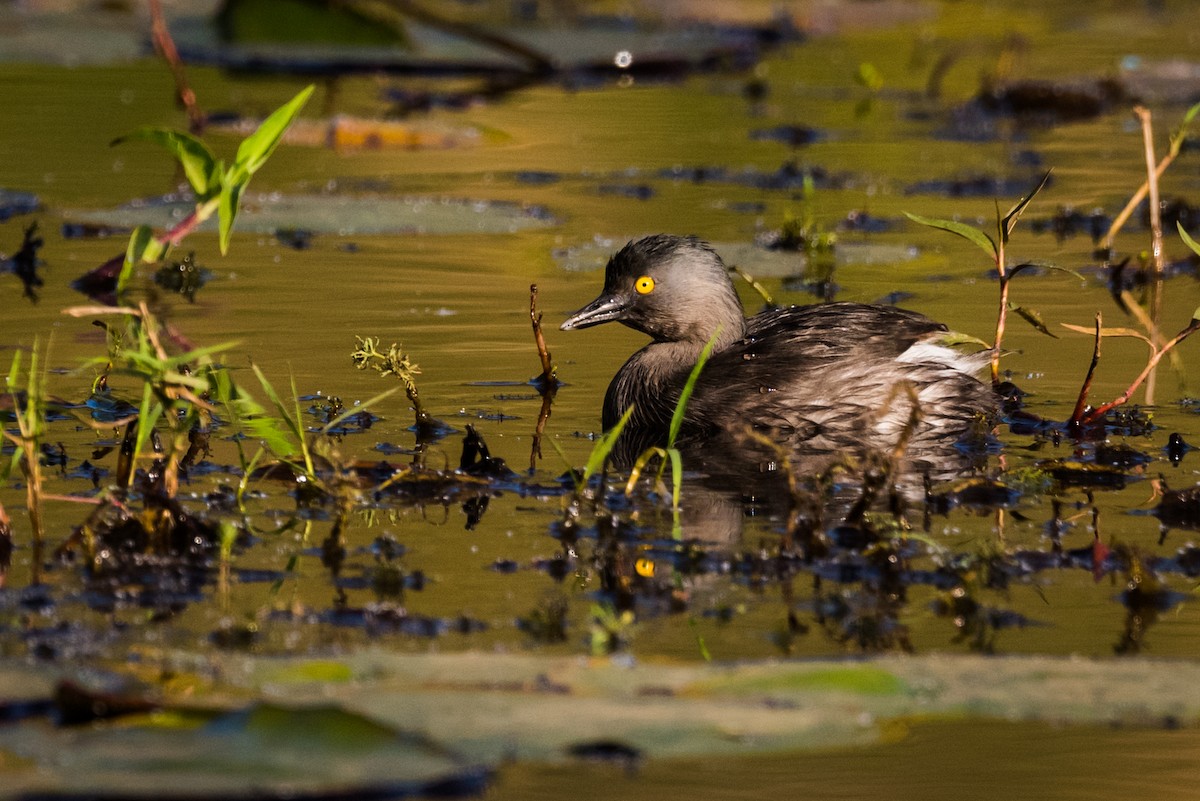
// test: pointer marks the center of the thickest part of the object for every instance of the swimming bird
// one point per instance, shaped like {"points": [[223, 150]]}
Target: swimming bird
{"points": [[827, 378]]}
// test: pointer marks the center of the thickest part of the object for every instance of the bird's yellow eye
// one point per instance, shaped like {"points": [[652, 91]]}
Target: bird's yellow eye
{"points": [[644, 285]]}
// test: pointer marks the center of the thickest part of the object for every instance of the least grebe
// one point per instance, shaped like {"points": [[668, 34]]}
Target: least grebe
{"points": [[824, 377]]}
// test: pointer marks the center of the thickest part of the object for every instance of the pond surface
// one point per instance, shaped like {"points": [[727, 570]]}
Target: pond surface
{"points": [[1054, 549]]}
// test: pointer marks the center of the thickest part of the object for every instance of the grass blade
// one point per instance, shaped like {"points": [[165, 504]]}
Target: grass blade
{"points": [[604, 446], [686, 394], [1010, 220], [1187, 240], [360, 407]]}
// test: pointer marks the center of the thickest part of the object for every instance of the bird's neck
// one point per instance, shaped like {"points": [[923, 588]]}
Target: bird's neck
{"points": [[652, 380]]}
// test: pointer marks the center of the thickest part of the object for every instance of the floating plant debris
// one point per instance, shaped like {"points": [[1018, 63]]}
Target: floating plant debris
{"points": [[183, 277], [14, 203], [1179, 508]]}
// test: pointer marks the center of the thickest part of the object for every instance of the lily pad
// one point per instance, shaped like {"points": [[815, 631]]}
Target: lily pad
{"points": [[592, 44], [262, 751], [344, 215]]}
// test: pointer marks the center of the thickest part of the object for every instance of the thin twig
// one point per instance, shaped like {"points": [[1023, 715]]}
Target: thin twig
{"points": [[1156, 240], [1156, 254], [1119, 221], [547, 382], [92, 311], [547, 377], [535, 450]]}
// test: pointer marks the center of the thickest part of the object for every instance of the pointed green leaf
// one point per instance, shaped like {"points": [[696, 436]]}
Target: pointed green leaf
{"points": [[356, 408], [1190, 115], [604, 446], [1014, 214], [258, 146], [686, 394], [1032, 317], [14, 372], [967, 232], [252, 418], [1187, 239], [294, 425], [193, 155], [231, 198], [142, 247], [1041, 265], [1180, 134], [148, 414], [953, 338]]}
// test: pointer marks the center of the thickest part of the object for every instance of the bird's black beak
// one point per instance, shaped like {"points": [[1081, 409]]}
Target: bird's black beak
{"points": [[603, 309]]}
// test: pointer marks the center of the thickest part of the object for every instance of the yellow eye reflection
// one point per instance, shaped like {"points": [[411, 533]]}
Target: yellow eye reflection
{"points": [[644, 285]]}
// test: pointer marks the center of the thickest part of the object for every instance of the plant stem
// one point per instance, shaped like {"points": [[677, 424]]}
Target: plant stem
{"points": [[1156, 243], [1081, 402], [6, 545], [1099, 412], [547, 378], [1156, 254], [188, 224], [1002, 314], [165, 46], [1119, 222]]}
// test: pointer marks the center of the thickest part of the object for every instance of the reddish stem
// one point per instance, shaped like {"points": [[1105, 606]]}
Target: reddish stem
{"points": [[165, 45], [1081, 403], [1099, 412]]}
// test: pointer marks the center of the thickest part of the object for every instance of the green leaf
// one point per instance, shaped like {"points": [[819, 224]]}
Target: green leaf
{"points": [[1179, 135], [197, 160], [953, 338], [868, 75], [256, 148], [356, 408], [604, 446], [14, 372], [142, 247], [1189, 116], [968, 232], [1187, 239], [686, 394], [1014, 214], [148, 414], [231, 198], [1032, 317], [294, 426], [1012, 271]]}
